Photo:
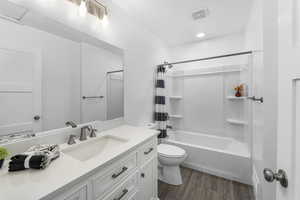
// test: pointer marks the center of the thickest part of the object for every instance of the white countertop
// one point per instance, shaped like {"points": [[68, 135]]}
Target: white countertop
{"points": [[38, 184]]}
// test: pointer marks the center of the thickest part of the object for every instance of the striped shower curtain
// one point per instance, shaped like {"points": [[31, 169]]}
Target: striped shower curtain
{"points": [[161, 115]]}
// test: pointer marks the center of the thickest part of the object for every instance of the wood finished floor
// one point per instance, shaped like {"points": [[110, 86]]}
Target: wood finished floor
{"points": [[200, 186]]}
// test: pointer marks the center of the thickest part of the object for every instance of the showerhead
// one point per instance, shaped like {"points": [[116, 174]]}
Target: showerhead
{"points": [[167, 65]]}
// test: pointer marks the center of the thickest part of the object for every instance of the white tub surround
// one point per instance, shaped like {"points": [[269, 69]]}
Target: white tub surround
{"points": [[119, 171], [224, 157]]}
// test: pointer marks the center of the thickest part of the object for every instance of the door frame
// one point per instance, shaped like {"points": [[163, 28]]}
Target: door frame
{"points": [[37, 83], [107, 89]]}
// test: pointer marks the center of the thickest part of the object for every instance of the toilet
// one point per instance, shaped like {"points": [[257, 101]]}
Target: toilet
{"points": [[170, 157]]}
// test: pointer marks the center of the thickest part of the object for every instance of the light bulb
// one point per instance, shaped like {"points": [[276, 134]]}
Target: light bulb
{"points": [[104, 20], [82, 9], [200, 35]]}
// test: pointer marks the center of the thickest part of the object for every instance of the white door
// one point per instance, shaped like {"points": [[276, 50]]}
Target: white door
{"points": [[284, 41], [20, 92], [258, 121], [288, 157]]}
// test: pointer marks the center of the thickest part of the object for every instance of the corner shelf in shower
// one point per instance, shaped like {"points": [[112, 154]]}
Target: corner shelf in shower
{"points": [[176, 116], [236, 98], [236, 122], [175, 97]]}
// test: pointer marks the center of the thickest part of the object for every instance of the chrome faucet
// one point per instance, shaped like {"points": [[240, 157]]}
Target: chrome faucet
{"points": [[70, 123], [84, 132]]}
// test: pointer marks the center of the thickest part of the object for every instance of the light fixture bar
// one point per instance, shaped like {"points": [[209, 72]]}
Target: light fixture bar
{"points": [[102, 5], [94, 7]]}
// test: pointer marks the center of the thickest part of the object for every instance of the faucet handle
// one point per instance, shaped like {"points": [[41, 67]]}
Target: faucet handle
{"points": [[93, 133], [71, 139]]}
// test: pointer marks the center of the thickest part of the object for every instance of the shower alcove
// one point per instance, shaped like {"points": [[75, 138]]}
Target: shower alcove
{"points": [[208, 120]]}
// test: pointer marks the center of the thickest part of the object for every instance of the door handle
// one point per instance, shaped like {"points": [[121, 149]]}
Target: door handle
{"points": [[280, 176], [261, 99]]}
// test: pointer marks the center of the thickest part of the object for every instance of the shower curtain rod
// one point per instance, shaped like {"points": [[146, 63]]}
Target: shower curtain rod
{"points": [[208, 58]]}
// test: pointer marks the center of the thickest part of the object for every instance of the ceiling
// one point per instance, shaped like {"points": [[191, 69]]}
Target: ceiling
{"points": [[172, 21]]}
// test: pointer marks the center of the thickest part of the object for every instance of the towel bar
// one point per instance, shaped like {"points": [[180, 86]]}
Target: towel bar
{"points": [[92, 97]]}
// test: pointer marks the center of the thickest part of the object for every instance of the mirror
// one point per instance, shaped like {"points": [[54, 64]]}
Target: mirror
{"points": [[41, 89], [99, 87]]}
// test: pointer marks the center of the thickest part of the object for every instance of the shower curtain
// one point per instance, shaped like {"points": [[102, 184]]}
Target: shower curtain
{"points": [[161, 115]]}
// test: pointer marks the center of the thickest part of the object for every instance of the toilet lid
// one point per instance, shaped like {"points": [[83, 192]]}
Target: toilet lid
{"points": [[170, 150]]}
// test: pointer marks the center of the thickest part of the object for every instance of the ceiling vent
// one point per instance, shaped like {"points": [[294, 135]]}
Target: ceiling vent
{"points": [[203, 13], [11, 11]]}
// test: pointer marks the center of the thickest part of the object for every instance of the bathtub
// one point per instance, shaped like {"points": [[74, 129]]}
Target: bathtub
{"points": [[219, 156]]}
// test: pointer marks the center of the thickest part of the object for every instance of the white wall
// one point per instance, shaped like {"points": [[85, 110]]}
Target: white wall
{"points": [[142, 51], [254, 28], [217, 46], [60, 73]]}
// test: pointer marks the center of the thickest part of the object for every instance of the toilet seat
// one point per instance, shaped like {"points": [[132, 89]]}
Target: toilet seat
{"points": [[170, 151]]}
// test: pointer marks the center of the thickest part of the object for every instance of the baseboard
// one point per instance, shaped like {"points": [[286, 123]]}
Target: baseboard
{"points": [[215, 172]]}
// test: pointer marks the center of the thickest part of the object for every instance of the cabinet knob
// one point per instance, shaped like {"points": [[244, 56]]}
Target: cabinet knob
{"points": [[143, 175]]}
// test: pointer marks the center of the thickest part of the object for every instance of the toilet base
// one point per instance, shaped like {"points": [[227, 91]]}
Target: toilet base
{"points": [[170, 175]]}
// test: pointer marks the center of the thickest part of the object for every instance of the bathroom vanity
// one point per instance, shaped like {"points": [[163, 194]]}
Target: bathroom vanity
{"points": [[118, 164]]}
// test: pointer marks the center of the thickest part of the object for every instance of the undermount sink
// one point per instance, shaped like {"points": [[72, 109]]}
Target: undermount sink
{"points": [[90, 149]]}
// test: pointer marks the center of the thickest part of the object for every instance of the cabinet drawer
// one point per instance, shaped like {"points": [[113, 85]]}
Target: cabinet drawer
{"points": [[133, 197], [78, 192], [78, 195], [106, 181], [148, 151], [125, 190]]}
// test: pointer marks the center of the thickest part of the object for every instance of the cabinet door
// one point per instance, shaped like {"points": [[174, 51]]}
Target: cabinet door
{"points": [[133, 197], [78, 195], [147, 181]]}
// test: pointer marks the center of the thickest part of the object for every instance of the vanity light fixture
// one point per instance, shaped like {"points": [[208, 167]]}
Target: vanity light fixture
{"points": [[93, 7]]}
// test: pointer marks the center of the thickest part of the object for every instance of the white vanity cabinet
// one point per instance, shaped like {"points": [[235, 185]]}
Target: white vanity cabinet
{"points": [[132, 177]]}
